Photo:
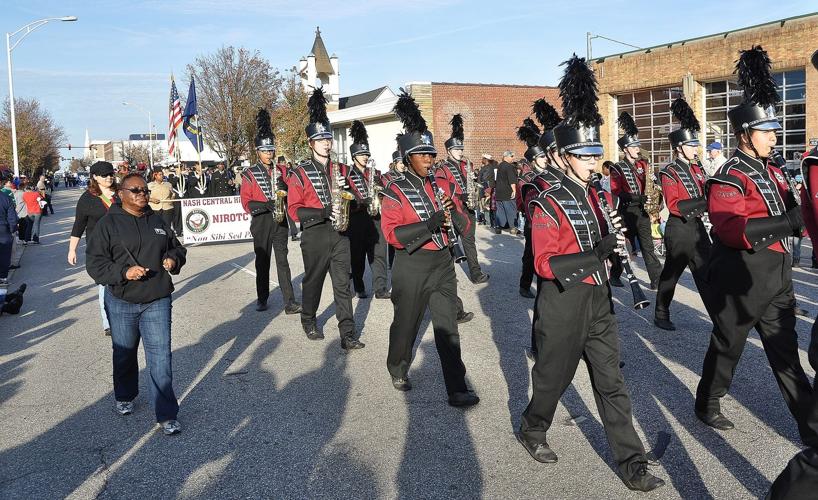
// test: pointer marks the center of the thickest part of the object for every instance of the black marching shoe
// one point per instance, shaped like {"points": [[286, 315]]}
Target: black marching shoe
{"points": [[463, 399], [361, 295], [350, 343], [313, 333], [464, 317], [261, 305], [801, 312], [664, 324], [642, 480], [540, 452], [401, 384], [715, 420], [526, 292], [616, 282], [383, 294], [480, 278], [654, 285], [292, 308]]}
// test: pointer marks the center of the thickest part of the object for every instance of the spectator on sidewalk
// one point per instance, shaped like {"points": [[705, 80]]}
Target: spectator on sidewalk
{"points": [[42, 187], [133, 252], [161, 196], [91, 207], [34, 206], [505, 192], [22, 212], [714, 159], [8, 225]]}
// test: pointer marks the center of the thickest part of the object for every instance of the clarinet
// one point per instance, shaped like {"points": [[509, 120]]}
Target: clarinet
{"points": [[705, 217], [639, 299], [455, 244], [781, 163]]}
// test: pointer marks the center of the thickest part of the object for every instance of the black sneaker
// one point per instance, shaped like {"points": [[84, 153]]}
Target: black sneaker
{"points": [[664, 324], [540, 452], [526, 292], [350, 343], [313, 333], [401, 384], [107, 332], [261, 305], [383, 294], [463, 399], [292, 308], [480, 279]]}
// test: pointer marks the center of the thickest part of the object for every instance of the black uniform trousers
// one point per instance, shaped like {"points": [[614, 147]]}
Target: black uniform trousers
{"points": [[527, 275], [686, 245], [270, 239], [637, 223], [325, 250], [754, 290], [177, 218], [168, 216], [470, 247], [570, 325], [366, 243], [425, 278]]}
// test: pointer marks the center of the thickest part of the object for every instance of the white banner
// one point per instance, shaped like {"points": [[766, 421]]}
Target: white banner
{"points": [[214, 219]]}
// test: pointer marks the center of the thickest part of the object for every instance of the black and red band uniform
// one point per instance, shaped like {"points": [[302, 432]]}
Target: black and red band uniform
{"points": [[530, 187], [423, 275], [366, 242], [454, 172], [574, 319], [269, 237], [809, 211], [324, 249], [687, 244], [628, 184], [750, 275]]}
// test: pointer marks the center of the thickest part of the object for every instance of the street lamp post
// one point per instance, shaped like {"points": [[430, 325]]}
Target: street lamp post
{"points": [[589, 48], [28, 28], [150, 129]]}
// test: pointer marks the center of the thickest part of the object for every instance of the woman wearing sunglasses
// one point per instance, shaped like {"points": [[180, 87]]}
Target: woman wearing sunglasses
{"points": [[91, 206], [133, 252]]}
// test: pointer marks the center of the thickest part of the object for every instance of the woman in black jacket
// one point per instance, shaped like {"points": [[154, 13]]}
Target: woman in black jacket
{"points": [[92, 206], [133, 253]]}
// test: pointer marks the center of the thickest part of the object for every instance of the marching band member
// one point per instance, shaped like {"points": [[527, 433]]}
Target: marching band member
{"points": [[417, 221], [545, 175], [365, 238], [686, 241], [259, 197], [455, 169], [753, 213], [628, 178], [574, 312], [315, 186]]}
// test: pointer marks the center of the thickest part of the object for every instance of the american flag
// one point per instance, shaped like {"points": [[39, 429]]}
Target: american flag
{"points": [[175, 117]]}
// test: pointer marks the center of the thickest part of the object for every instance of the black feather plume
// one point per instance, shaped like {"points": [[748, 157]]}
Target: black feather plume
{"points": [[358, 133], [546, 114], [578, 91], [406, 109], [628, 125], [263, 127], [754, 76], [684, 113], [317, 104], [529, 133], [457, 127]]}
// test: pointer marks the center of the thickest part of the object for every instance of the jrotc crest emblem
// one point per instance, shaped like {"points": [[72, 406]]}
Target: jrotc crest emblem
{"points": [[779, 177]]}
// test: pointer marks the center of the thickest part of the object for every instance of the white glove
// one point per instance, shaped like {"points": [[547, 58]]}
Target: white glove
{"points": [[621, 245], [342, 182], [616, 220]]}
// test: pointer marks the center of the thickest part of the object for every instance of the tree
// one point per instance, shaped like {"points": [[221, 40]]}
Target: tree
{"points": [[231, 85], [38, 137], [291, 117], [79, 164], [136, 152]]}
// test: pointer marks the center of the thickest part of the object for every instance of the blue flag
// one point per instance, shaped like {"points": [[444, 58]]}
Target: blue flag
{"points": [[191, 117]]}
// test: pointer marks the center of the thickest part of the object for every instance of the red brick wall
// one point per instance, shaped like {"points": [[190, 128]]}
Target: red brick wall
{"points": [[491, 114]]}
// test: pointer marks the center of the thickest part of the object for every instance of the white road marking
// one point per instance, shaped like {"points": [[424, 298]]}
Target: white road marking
{"points": [[251, 273]]}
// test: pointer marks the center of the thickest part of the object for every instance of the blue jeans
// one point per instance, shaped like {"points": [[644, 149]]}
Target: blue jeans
{"points": [[506, 212], [33, 227], [151, 323]]}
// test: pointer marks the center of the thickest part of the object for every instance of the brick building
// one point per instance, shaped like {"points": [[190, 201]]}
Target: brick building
{"points": [[491, 112], [644, 82]]}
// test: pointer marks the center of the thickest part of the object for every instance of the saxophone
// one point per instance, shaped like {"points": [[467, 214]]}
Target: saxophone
{"points": [[340, 200], [280, 194], [652, 192], [473, 196], [373, 189]]}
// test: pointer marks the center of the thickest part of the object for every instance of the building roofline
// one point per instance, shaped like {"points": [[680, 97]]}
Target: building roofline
{"points": [[723, 34], [510, 85]]}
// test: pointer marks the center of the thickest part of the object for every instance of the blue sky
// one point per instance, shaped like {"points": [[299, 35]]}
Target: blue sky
{"points": [[126, 50]]}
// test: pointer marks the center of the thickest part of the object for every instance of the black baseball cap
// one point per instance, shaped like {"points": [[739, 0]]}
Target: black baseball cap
{"points": [[102, 168]]}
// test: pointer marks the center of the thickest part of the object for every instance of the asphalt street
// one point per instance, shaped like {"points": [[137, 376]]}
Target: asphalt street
{"points": [[270, 414]]}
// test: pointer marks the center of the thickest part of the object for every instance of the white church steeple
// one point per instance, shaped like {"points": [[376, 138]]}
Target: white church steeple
{"points": [[319, 69]]}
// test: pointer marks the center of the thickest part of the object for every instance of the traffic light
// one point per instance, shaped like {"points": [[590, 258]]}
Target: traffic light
{"points": [[69, 147]]}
